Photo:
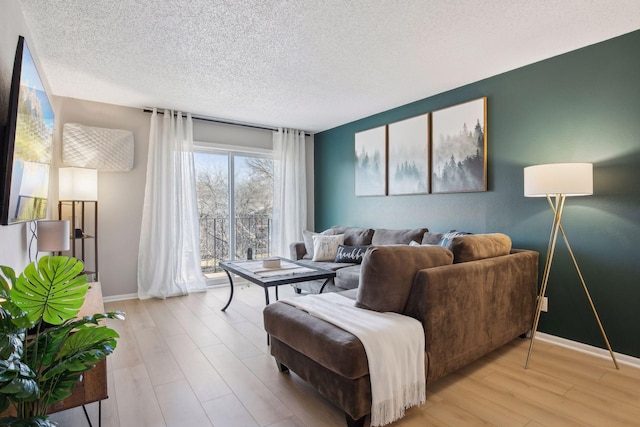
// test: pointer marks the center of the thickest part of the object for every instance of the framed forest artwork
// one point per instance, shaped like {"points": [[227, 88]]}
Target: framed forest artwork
{"points": [[459, 148], [371, 162], [409, 156]]}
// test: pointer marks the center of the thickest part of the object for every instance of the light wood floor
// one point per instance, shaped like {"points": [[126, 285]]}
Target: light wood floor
{"points": [[182, 362]]}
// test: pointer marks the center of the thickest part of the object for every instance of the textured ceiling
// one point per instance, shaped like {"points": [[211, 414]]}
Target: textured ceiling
{"points": [[305, 64]]}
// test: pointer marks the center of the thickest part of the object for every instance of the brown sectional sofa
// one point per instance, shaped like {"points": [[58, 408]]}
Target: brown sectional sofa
{"points": [[468, 308], [348, 274]]}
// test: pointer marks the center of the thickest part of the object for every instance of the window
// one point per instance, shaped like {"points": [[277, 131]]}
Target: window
{"points": [[235, 200]]}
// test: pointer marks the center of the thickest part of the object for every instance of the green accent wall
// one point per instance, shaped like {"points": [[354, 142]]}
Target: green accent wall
{"points": [[583, 106]]}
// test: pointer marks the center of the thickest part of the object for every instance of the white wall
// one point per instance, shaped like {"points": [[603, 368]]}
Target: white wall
{"points": [[120, 194], [205, 131]]}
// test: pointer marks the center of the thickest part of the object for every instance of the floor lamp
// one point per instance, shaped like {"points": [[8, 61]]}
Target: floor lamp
{"points": [[560, 180]]}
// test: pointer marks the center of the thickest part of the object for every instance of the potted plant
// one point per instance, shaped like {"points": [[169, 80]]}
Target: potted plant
{"points": [[44, 347]]}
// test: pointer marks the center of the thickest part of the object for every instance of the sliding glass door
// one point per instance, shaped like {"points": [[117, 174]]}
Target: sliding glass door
{"points": [[235, 200]]}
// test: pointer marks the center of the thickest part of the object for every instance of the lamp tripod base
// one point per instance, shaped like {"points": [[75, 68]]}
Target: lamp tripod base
{"points": [[553, 238]]}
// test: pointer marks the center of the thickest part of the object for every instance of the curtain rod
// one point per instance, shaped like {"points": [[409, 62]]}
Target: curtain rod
{"points": [[224, 122]]}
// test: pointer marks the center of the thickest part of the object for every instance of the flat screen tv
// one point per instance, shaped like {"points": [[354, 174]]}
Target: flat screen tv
{"points": [[25, 150]]}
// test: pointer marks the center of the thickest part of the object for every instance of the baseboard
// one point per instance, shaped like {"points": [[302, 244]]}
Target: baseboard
{"points": [[122, 297], [589, 349]]}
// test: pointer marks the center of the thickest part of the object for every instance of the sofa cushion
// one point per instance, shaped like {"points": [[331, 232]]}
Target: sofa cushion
{"points": [[327, 265], [325, 248], [348, 277], [431, 238], [473, 247], [387, 274], [351, 254], [382, 236], [353, 236]]}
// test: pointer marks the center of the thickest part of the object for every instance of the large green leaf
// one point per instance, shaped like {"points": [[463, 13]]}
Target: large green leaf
{"points": [[90, 339], [42, 348], [47, 345], [4, 402], [82, 350], [16, 378], [11, 337], [22, 388], [9, 369], [64, 386], [5, 289], [18, 316], [53, 291]]}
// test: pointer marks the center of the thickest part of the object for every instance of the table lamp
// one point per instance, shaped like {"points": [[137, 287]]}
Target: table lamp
{"points": [[53, 236], [560, 180]]}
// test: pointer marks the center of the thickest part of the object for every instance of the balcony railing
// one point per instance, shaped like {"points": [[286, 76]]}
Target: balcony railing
{"points": [[250, 231]]}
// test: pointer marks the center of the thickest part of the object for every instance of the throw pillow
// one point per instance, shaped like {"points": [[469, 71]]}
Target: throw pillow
{"points": [[387, 274], [447, 237], [325, 248], [352, 254], [307, 236]]}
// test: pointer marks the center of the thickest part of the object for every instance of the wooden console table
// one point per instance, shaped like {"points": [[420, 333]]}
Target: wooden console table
{"points": [[93, 386]]}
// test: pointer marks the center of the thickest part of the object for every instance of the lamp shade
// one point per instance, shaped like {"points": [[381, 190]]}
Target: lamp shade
{"points": [[53, 235], [570, 179], [78, 184]]}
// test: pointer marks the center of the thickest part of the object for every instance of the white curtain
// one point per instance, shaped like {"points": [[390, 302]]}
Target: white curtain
{"points": [[169, 253], [290, 190]]}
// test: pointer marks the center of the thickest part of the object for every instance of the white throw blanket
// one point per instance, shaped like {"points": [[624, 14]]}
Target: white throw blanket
{"points": [[395, 351]]}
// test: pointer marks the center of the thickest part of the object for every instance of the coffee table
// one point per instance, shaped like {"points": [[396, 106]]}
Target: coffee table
{"points": [[289, 272]]}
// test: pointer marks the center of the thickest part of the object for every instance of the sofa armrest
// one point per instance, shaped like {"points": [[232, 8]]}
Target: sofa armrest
{"points": [[470, 309], [297, 250]]}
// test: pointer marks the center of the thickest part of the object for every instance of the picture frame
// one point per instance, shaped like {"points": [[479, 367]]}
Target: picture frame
{"points": [[459, 148], [371, 162], [408, 150]]}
